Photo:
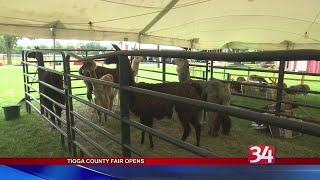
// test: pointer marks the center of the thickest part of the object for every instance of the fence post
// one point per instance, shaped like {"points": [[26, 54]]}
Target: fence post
{"points": [[69, 105], [68, 102], [124, 103], [280, 87], [25, 82], [203, 75], [211, 69], [302, 79], [274, 78], [40, 78], [207, 69], [27, 79], [163, 70]]}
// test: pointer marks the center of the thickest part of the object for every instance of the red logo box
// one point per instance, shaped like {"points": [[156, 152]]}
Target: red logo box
{"points": [[261, 154]]}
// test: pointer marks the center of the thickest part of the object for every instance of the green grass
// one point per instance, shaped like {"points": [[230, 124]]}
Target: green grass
{"points": [[29, 136]]}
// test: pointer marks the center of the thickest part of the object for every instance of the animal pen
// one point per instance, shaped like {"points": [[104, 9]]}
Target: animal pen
{"points": [[70, 133]]}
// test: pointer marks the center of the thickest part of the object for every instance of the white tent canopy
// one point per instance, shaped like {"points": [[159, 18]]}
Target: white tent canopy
{"points": [[201, 24]]}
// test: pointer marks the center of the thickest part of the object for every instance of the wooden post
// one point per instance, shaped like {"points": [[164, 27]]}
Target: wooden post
{"points": [[302, 79]]}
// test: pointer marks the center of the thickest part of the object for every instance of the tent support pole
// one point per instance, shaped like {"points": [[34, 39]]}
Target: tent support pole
{"points": [[53, 30], [164, 11]]}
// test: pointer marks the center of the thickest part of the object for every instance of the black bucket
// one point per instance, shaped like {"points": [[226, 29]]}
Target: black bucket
{"points": [[11, 112]]}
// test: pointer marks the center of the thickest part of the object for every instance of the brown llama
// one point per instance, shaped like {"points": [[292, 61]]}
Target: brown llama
{"points": [[104, 95], [149, 107], [213, 91], [54, 80], [236, 87], [301, 87], [100, 71]]}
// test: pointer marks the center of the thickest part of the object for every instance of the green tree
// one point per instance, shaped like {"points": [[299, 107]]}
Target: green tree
{"points": [[70, 46], [42, 46], [9, 42], [17, 50], [91, 46], [58, 45]]}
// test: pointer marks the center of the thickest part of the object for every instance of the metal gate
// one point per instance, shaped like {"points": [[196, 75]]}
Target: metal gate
{"points": [[70, 132]]}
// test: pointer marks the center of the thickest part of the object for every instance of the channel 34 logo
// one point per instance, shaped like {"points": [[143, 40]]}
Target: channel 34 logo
{"points": [[262, 154]]}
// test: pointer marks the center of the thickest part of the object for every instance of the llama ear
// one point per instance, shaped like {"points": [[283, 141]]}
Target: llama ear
{"points": [[116, 47], [36, 47]]}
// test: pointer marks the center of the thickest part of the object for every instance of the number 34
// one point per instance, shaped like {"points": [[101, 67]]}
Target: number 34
{"points": [[267, 154]]}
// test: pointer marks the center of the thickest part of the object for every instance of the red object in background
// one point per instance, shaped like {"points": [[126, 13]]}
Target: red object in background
{"points": [[77, 63], [295, 65], [313, 66], [288, 106], [1, 64]]}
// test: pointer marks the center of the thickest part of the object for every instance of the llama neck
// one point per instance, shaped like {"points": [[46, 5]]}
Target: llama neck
{"points": [[130, 73], [183, 73], [93, 75], [40, 62], [135, 67], [39, 57]]}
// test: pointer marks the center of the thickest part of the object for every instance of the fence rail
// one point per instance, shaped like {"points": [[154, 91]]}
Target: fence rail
{"points": [[72, 131]]}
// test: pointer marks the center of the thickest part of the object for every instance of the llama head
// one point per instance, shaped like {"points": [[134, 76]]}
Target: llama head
{"points": [[113, 60], [240, 79], [180, 62], [88, 66], [34, 54], [107, 77], [137, 59]]}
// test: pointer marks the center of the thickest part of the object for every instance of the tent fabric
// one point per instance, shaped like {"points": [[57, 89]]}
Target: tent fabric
{"points": [[201, 24]]}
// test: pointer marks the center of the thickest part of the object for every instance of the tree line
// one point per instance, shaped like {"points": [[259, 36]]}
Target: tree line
{"points": [[9, 46]]}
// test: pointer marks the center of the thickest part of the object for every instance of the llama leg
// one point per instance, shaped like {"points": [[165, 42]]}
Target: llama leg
{"points": [[59, 113], [89, 91], [147, 122], [46, 112], [184, 120], [118, 99], [98, 113], [43, 111], [89, 95], [111, 103], [142, 121], [197, 126], [107, 106], [46, 103], [150, 124], [214, 123], [226, 124], [49, 105], [105, 117]]}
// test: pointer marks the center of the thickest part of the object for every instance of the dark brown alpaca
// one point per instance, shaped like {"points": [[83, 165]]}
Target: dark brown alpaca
{"points": [[54, 80], [213, 91], [148, 107]]}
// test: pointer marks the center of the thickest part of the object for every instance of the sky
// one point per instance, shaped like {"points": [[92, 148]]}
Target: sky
{"points": [[24, 42]]}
